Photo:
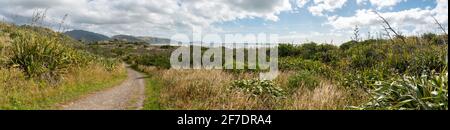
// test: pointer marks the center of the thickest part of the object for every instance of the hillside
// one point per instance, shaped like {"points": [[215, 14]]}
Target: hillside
{"points": [[126, 38], [86, 36], [146, 39], [41, 68], [155, 40]]}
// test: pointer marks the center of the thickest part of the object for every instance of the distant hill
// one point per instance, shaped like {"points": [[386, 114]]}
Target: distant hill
{"points": [[149, 40], [127, 38], [155, 40], [86, 36]]}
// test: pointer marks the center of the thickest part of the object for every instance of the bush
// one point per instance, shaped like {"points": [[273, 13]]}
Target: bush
{"points": [[428, 92], [167, 47], [364, 79], [303, 78], [328, 57], [325, 52], [435, 39], [348, 45], [157, 60], [43, 55], [258, 87], [299, 64], [296, 63], [424, 61], [110, 64], [285, 50], [366, 57]]}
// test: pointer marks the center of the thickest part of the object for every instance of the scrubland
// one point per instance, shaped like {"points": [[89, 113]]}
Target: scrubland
{"points": [[41, 69]]}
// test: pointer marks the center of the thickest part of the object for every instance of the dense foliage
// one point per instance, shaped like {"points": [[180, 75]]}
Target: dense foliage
{"points": [[427, 92], [304, 78], [370, 65], [41, 68], [258, 87]]}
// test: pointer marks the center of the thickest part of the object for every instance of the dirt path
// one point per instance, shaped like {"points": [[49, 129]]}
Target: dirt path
{"points": [[129, 95]]}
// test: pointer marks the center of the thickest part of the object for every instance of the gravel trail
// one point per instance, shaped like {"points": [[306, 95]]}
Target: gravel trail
{"points": [[128, 95]]}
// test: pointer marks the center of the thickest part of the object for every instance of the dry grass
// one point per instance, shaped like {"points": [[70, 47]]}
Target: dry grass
{"points": [[209, 90], [5, 42], [19, 92], [190, 89], [324, 97], [199, 89], [69, 72]]}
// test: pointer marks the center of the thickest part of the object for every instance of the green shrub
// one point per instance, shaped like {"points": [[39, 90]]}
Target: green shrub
{"points": [[285, 50], [429, 37], [110, 64], [303, 78], [246, 68], [258, 87], [427, 92], [158, 60], [166, 47], [366, 57], [296, 63], [417, 61], [299, 64], [325, 53], [347, 45], [435, 39], [328, 57], [363, 79], [424, 61], [43, 55]]}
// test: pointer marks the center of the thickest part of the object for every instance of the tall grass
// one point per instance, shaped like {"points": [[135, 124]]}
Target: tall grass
{"points": [[19, 92], [40, 69], [217, 90], [325, 96]]}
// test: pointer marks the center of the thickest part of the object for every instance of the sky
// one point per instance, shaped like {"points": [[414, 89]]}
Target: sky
{"points": [[296, 21]]}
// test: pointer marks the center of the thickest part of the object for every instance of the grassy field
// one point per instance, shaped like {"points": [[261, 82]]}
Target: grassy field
{"points": [[389, 74], [209, 90], [42, 69]]}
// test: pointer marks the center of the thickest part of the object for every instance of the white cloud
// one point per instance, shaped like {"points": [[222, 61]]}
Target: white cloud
{"points": [[166, 17], [322, 6], [411, 21], [361, 2], [301, 3], [146, 17], [381, 3]]}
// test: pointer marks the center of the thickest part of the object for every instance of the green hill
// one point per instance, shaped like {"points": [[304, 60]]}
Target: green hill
{"points": [[86, 36]]}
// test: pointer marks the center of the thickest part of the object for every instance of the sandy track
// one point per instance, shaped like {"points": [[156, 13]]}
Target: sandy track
{"points": [[129, 95]]}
